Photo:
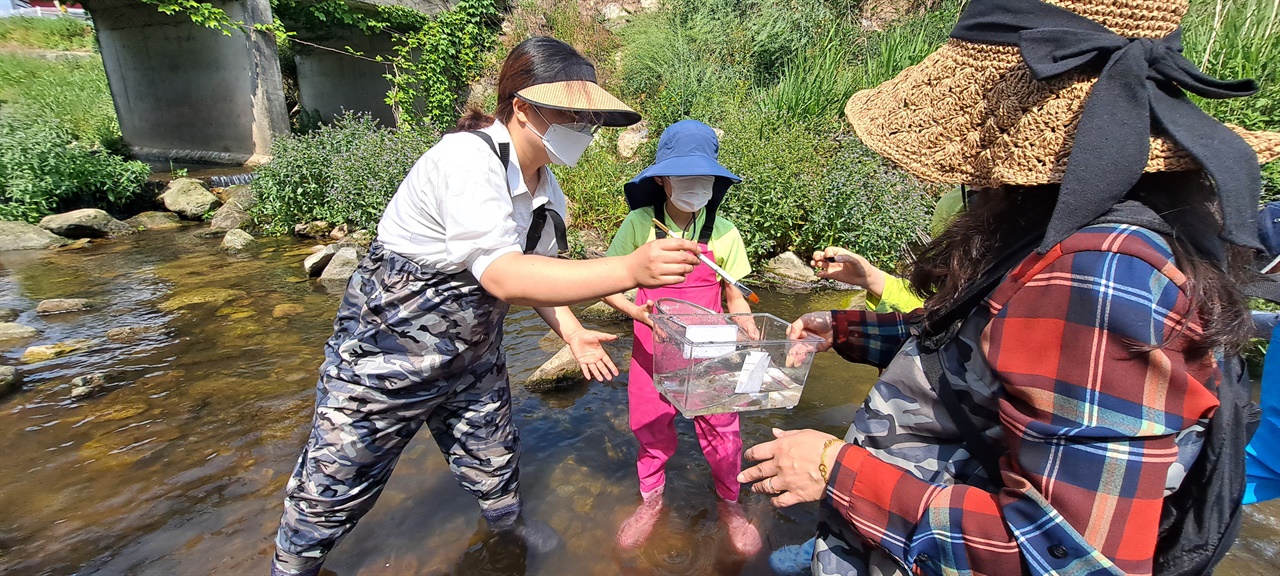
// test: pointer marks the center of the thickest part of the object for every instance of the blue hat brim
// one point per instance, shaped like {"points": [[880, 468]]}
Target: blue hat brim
{"points": [[643, 190]]}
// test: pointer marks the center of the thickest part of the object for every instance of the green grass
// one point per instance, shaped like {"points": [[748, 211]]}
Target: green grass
{"points": [[72, 91], [46, 34]]}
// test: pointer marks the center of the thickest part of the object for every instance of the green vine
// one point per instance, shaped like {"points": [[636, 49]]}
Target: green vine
{"points": [[201, 13]]}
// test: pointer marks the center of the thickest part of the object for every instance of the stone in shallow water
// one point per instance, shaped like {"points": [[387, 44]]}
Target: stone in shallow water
{"points": [[60, 305], [236, 312], [24, 236], [317, 261], [286, 310], [85, 223], [85, 386], [10, 379], [11, 331], [131, 333], [215, 296], [9, 314], [238, 241], [114, 413], [342, 266], [155, 221], [189, 198], [560, 371], [51, 351]]}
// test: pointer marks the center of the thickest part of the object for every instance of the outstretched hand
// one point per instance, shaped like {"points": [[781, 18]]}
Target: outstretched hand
{"points": [[848, 267], [789, 466], [588, 349]]}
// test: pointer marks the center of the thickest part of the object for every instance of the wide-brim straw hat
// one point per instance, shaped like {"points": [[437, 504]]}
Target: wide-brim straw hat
{"points": [[973, 113], [581, 96]]}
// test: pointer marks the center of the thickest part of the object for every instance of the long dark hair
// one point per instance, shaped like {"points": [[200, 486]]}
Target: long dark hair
{"points": [[538, 60], [1001, 217]]}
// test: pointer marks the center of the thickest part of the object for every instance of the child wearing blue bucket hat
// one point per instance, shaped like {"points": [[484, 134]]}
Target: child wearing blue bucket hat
{"points": [[683, 188]]}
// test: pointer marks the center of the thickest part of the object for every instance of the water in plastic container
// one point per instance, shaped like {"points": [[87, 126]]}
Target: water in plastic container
{"points": [[710, 363]]}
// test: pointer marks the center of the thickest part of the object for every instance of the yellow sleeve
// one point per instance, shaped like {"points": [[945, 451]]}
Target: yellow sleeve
{"points": [[632, 234], [897, 297], [731, 251]]}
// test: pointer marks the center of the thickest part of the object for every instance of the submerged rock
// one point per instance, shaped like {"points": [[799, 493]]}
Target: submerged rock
{"points": [[131, 333], [342, 266], [11, 331], [85, 386], [9, 314], [60, 305], [10, 380], [23, 236], [560, 371], [238, 241], [286, 310], [235, 212], [155, 221], [77, 245], [791, 267], [316, 262], [316, 229], [85, 223], [215, 296], [189, 198], [51, 351]]}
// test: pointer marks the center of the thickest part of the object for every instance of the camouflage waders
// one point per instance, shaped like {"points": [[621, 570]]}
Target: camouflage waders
{"points": [[410, 346]]}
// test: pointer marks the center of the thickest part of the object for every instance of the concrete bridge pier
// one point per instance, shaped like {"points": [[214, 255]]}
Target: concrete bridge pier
{"points": [[183, 92]]}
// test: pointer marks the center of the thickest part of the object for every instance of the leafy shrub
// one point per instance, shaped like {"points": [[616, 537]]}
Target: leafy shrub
{"points": [[45, 169], [815, 84], [46, 33], [885, 53], [342, 173]]}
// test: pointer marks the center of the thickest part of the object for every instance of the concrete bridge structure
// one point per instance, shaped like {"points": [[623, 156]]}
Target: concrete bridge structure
{"points": [[183, 92]]}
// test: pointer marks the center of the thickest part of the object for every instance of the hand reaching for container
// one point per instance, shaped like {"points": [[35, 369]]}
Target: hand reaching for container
{"points": [[845, 266], [809, 326], [663, 262], [588, 349]]}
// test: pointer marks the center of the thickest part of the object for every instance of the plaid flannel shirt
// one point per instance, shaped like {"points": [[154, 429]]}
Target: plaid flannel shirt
{"points": [[1089, 345]]}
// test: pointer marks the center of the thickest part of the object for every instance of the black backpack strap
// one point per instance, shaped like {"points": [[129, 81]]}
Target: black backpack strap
{"points": [[539, 223], [502, 151], [977, 445], [704, 234]]}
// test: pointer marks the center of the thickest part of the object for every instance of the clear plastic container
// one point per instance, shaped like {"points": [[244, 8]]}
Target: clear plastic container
{"points": [[709, 363]]}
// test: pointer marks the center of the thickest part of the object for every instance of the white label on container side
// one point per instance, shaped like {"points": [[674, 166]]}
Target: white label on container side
{"points": [[753, 372], [701, 335]]}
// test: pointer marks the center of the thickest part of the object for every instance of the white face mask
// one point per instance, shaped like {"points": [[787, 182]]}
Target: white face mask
{"points": [[565, 143], [691, 193]]}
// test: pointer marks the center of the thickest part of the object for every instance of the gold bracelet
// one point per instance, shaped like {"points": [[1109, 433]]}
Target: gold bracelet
{"points": [[822, 464]]}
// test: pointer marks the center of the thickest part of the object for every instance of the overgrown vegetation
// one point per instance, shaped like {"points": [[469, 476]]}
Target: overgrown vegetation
{"points": [[46, 34], [342, 173]]}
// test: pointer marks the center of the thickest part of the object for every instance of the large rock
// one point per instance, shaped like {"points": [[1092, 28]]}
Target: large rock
{"points": [[791, 267], [11, 331], [51, 351], [316, 262], [85, 223], [342, 266], [23, 236], [237, 240], [60, 305], [631, 139], [155, 221], [235, 212], [10, 380], [317, 229], [560, 371], [189, 198]]}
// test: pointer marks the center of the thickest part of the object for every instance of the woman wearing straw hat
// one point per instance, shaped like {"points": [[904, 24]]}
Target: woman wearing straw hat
{"points": [[418, 337], [1069, 399]]}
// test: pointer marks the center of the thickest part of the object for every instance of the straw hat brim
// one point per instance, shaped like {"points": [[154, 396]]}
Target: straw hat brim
{"points": [[973, 114], [581, 96]]}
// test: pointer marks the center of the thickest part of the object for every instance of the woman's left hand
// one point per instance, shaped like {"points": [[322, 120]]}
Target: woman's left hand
{"points": [[588, 348], [789, 466]]}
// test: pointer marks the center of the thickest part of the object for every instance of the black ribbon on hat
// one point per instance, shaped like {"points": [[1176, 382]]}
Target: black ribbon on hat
{"points": [[1139, 92]]}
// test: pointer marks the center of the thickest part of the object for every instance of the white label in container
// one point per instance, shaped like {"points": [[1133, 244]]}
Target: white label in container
{"points": [[700, 336], [753, 372]]}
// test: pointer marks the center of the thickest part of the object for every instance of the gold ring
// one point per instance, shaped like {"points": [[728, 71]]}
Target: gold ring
{"points": [[769, 483]]}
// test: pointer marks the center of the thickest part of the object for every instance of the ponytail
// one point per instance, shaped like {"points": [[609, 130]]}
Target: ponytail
{"points": [[474, 119]]}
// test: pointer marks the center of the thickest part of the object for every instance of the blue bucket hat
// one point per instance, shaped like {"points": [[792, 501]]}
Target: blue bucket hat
{"points": [[686, 148]]}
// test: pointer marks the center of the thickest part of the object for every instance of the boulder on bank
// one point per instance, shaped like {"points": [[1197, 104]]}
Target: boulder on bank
{"points": [[791, 267], [85, 223], [341, 267], [11, 331], [235, 212], [317, 229], [237, 240], [10, 380], [629, 140], [317, 261], [189, 198], [155, 221], [23, 236], [60, 305], [560, 371]]}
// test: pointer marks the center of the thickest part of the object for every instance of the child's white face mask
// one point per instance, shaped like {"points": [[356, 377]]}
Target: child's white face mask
{"points": [[691, 193]]}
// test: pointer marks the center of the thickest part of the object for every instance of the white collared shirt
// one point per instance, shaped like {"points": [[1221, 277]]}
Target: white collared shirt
{"points": [[459, 210]]}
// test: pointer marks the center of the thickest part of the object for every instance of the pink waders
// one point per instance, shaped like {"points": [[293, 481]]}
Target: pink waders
{"points": [[653, 418]]}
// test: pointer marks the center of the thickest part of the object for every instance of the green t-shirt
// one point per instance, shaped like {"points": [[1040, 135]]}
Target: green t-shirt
{"points": [[638, 230]]}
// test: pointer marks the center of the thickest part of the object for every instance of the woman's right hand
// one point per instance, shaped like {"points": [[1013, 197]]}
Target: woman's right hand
{"points": [[845, 266], [662, 262], [810, 326]]}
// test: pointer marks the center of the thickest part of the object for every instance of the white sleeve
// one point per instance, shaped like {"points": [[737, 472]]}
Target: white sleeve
{"points": [[477, 215]]}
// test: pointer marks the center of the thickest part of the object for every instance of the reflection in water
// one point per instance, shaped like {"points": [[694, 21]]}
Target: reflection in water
{"points": [[177, 466]]}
